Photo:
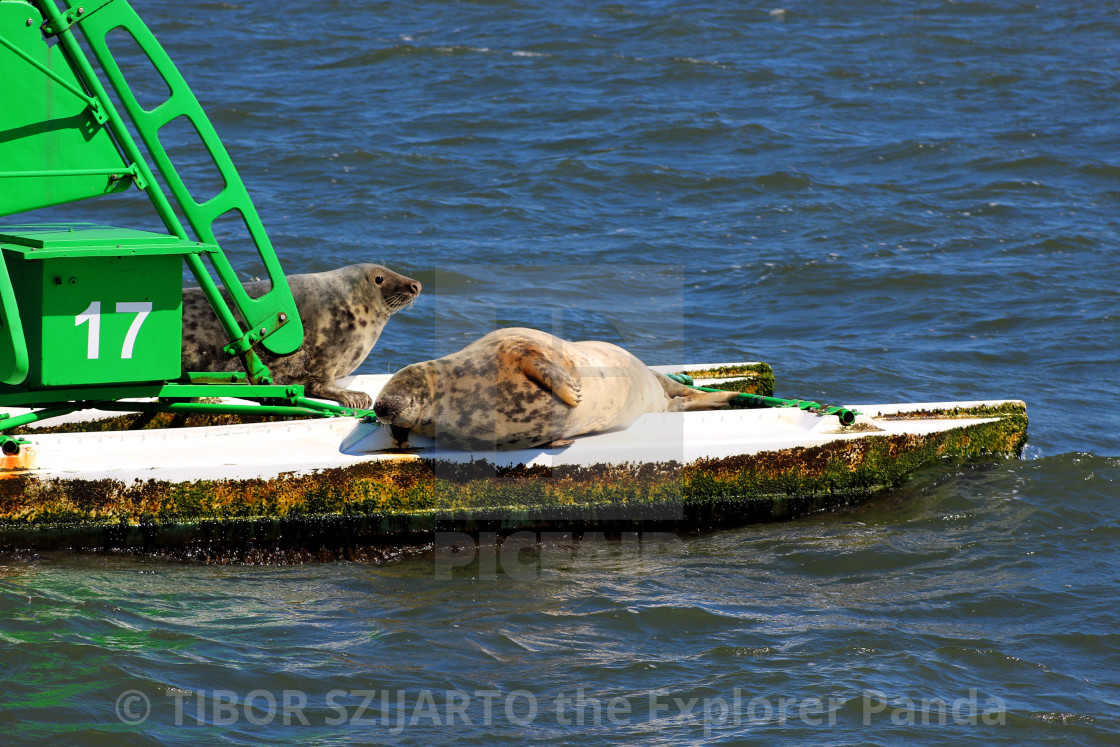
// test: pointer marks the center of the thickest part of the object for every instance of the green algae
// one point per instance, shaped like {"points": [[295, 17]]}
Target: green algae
{"points": [[749, 378]]}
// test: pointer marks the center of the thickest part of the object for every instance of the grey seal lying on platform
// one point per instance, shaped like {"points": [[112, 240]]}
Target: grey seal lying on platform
{"points": [[519, 388], [343, 312]]}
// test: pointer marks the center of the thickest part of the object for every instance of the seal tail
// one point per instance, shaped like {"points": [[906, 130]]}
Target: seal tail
{"points": [[686, 399]]}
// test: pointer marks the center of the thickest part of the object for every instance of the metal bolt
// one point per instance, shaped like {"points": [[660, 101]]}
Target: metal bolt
{"points": [[264, 331], [283, 318], [81, 11], [30, 21]]}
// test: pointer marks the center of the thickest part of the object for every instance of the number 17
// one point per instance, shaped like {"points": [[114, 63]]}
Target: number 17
{"points": [[92, 315]]}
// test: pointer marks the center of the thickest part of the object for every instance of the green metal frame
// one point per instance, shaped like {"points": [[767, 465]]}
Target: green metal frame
{"points": [[270, 321]]}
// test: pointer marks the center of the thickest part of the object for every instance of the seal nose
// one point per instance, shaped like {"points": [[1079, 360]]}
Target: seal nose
{"points": [[415, 288], [388, 407]]}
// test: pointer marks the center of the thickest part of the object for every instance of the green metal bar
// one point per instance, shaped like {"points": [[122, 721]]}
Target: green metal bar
{"points": [[747, 401], [90, 101], [752, 401], [12, 397], [241, 391], [75, 17], [101, 398], [14, 344], [64, 172], [300, 407], [209, 407], [8, 423], [11, 445], [328, 408]]}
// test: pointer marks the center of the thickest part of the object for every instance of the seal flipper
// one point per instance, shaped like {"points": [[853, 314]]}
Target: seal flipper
{"points": [[345, 397], [685, 399], [551, 376]]}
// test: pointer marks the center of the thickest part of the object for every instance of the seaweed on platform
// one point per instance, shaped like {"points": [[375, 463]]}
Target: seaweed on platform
{"points": [[396, 497], [749, 378]]}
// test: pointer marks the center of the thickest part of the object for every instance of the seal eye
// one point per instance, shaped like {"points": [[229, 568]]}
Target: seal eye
{"points": [[379, 279]]}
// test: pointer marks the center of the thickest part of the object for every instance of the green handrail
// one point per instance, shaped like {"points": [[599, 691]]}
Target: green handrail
{"points": [[752, 401]]}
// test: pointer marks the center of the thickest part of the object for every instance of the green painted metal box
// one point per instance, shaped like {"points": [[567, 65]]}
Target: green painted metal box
{"points": [[98, 305]]}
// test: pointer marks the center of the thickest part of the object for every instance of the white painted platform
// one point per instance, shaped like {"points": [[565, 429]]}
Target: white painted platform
{"points": [[267, 450]]}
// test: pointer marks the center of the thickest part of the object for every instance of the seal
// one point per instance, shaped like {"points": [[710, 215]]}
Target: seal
{"points": [[343, 312], [518, 388]]}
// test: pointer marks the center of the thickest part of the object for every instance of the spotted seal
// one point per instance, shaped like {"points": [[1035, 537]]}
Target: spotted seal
{"points": [[343, 312], [519, 388]]}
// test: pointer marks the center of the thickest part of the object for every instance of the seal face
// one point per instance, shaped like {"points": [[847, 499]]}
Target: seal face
{"points": [[343, 312], [518, 388]]}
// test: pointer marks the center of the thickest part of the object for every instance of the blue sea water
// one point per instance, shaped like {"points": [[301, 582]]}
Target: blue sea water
{"points": [[887, 201]]}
